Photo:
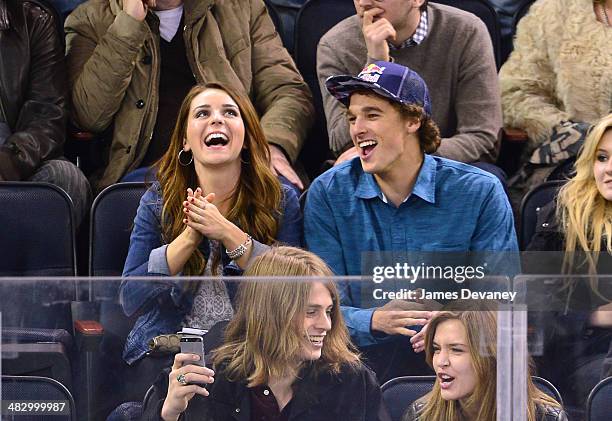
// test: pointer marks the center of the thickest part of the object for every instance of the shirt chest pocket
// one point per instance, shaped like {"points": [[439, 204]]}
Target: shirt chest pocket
{"points": [[439, 239]]}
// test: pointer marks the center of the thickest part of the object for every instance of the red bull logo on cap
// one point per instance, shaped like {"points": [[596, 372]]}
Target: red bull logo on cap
{"points": [[371, 73]]}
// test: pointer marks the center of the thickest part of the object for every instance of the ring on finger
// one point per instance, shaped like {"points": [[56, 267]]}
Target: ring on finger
{"points": [[181, 379]]}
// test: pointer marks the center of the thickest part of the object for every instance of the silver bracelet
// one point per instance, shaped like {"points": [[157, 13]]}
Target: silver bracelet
{"points": [[240, 250]]}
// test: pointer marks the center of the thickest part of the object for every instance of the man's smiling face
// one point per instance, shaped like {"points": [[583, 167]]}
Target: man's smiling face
{"points": [[379, 132]]}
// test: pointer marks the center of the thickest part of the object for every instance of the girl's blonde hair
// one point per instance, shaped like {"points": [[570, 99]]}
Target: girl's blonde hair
{"points": [[265, 337], [585, 215], [481, 331]]}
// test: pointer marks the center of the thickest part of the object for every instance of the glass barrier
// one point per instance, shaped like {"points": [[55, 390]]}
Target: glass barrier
{"points": [[105, 341], [567, 322]]}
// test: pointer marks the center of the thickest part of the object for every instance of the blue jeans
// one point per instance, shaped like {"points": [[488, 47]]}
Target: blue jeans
{"points": [[68, 177]]}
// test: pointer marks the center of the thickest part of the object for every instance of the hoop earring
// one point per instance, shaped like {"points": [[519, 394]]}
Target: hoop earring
{"points": [[182, 161], [243, 160]]}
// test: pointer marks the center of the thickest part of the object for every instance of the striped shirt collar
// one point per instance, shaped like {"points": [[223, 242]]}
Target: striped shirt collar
{"points": [[418, 36]]}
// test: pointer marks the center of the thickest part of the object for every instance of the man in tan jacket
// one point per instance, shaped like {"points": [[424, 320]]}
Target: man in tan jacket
{"points": [[131, 62]]}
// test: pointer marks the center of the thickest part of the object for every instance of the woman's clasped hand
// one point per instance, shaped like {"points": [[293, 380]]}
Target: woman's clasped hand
{"points": [[203, 216]]}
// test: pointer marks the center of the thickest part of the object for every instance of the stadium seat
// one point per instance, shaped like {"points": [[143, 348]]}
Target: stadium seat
{"points": [[401, 392], [34, 388], [42, 333], [64, 7], [302, 199], [112, 219], [599, 403], [37, 230], [314, 19], [287, 11], [38, 241], [533, 201], [548, 388], [276, 20]]}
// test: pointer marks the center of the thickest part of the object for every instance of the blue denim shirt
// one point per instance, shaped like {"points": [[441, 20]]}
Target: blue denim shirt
{"points": [[452, 207], [163, 303]]}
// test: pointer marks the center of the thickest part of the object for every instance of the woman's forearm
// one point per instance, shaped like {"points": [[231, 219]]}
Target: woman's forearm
{"points": [[180, 250]]}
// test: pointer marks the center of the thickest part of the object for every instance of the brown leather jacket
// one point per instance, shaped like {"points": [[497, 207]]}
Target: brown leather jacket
{"points": [[32, 87]]}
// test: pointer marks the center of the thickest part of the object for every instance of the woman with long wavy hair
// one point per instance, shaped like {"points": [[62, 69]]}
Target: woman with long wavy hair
{"points": [[579, 226], [461, 347], [585, 202], [286, 355], [215, 206]]}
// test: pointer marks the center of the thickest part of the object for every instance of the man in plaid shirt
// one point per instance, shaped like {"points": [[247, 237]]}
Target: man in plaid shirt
{"points": [[452, 51]]}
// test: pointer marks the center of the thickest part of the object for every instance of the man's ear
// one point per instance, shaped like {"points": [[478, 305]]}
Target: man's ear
{"points": [[412, 125]]}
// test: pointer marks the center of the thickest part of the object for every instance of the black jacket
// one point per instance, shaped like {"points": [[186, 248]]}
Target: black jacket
{"points": [[543, 413], [352, 395], [548, 235], [32, 87]]}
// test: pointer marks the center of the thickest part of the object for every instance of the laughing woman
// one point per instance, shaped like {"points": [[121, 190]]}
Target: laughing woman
{"points": [[461, 347], [287, 356], [216, 206]]}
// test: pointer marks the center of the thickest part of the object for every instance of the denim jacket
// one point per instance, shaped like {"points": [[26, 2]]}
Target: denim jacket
{"points": [[163, 304]]}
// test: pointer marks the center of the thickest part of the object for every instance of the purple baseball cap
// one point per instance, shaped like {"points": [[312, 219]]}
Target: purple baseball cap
{"points": [[390, 80]]}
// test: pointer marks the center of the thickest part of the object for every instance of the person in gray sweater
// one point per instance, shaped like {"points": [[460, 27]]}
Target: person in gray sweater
{"points": [[450, 49]]}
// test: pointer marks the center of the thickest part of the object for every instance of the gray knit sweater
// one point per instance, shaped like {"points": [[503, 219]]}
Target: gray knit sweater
{"points": [[456, 61]]}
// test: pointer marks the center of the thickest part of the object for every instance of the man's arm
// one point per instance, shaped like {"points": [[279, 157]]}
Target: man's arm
{"points": [[495, 226], [40, 130], [100, 69], [494, 240], [477, 102], [280, 93]]}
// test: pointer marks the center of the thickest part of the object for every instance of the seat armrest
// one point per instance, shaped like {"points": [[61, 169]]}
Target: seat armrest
{"points": [[82, 136], [88, 335], [88, 327], [78, 134], [510, 134]]}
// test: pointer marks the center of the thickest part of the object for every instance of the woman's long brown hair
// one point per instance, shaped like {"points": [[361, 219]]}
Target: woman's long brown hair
{"points": [[481, 330], [255, 205]]}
